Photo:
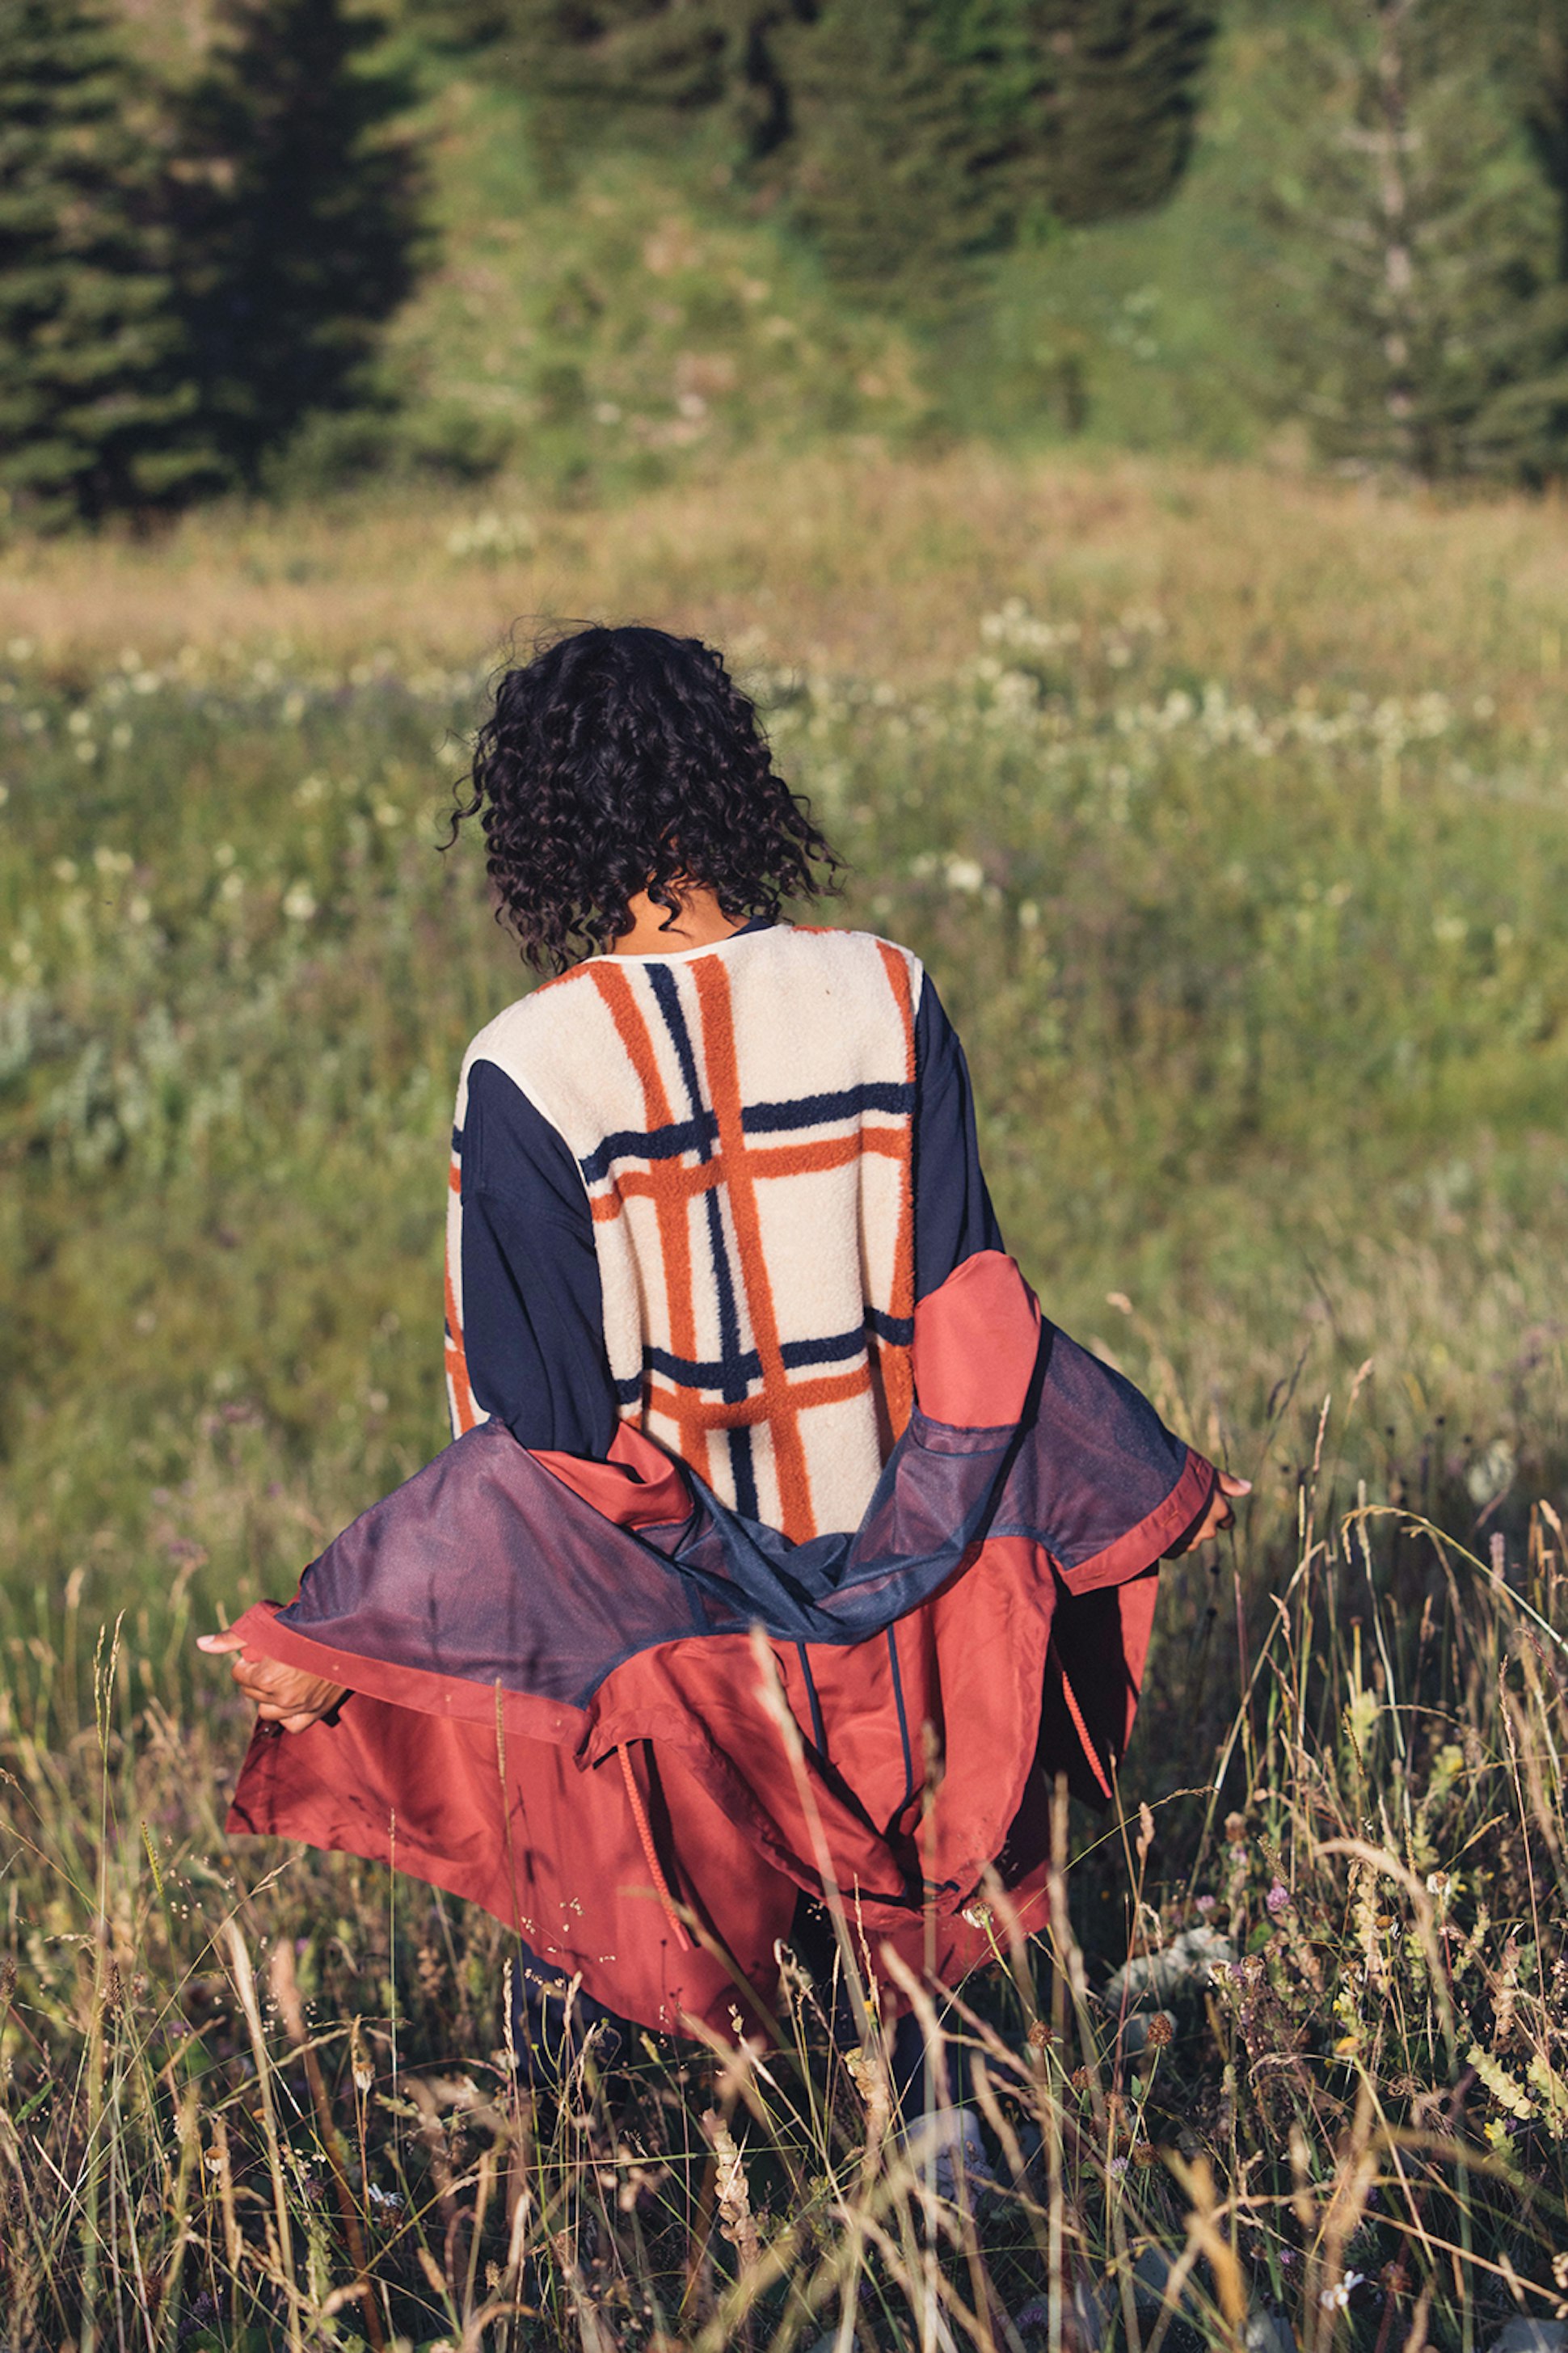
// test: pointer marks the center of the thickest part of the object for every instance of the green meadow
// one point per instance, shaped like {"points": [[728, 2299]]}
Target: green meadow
{"points": [[1230, 813]]}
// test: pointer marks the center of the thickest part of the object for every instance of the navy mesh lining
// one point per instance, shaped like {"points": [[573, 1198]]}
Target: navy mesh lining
{"points": [[487, 1568]]}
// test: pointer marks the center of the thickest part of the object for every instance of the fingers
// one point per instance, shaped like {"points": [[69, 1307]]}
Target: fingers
{"points": [[291, 1719], [287, 1696], [266, 1680], [268, 1683], [1219, 1516]]}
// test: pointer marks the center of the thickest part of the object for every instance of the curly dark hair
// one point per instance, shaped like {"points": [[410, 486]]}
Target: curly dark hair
{"points": [[619, 760]]}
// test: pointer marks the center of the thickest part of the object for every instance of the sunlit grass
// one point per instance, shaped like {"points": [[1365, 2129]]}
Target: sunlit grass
{"points": [[1228, 813]]}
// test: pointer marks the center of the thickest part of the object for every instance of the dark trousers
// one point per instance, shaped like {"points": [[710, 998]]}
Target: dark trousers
{"points": [[550, 2026]]}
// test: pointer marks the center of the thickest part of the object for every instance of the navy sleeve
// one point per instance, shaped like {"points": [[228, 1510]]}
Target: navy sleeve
{"points": [[953, 1216], [533, 1328]]}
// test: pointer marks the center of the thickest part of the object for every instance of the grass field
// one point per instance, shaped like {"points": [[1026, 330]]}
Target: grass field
{"points": [[1229, 812]]}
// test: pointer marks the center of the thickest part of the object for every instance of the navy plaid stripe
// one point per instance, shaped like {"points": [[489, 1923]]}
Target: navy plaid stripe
{"points": [[838, 1348], [700, 1133], [732, 1381], [842, 1347], [820, 1110]]}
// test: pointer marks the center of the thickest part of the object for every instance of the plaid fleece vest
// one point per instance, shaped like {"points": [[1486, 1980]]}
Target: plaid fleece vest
{"points": [[741, 1116]]}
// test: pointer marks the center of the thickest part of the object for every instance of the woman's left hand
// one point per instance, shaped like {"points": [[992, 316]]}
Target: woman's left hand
{"points": [[285, 1695]]}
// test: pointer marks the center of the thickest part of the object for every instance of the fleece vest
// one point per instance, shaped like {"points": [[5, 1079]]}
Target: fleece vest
{"points": [[741, 1116]]}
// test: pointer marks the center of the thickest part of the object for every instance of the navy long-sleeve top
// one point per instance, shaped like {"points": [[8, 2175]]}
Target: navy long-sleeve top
{"points": [[533, 1323]]}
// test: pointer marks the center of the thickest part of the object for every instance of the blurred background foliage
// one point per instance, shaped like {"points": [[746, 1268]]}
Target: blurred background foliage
{"points": [[1059, 411], [290, 244]]}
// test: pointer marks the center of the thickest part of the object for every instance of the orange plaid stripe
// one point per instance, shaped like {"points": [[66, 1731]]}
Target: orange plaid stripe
{"points": [[465, 1410], [783, 1405], [896, 1364], [674, 1230], [781, 1384]]}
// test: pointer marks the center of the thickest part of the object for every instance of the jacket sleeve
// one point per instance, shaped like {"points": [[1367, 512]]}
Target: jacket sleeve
{"points": [[524, 1276], [953, 1216]]}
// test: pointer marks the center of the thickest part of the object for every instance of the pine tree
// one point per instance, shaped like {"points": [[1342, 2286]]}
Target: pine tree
{"points": [[1532, 38], [97, 405], [901, 138], [1124, 102], [911, 137], [620, 59], [299, 212], [1429, 324], [928, 133]]}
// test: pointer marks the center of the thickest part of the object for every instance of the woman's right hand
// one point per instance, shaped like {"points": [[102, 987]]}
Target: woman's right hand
{"points": [[1219, 1513], [285, 1695]]}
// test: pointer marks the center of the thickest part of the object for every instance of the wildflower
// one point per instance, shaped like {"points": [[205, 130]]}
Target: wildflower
{"points": [[1117, 2168], [1206, 1903], [731, 2190], [359, 2059], [1492, 1472], [298, 903], [492, 536], [1337, 2297], [1279, 1897], [864, 2072]]}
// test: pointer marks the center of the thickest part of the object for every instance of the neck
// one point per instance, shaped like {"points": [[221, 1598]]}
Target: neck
{"points": [[697, 921]]}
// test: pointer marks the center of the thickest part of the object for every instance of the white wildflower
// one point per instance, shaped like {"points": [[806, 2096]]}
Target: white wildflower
{"points": [[1337, 2297]]}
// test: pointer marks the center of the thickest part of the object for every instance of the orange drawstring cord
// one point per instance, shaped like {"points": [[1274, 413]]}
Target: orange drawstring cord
{"points": [[1090, 1753], [645, 1831]]}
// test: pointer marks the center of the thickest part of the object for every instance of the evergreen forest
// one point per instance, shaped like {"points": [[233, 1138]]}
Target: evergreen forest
{"points": [[1118, 446], [265, 245]]}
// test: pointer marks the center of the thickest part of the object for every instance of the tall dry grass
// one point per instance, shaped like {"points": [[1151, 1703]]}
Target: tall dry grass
{"points": [[1227, 811], [1324, 2099], [855, 562]]}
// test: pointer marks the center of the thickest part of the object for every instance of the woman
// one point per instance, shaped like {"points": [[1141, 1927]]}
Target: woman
{"points": [[782, 1552]]}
